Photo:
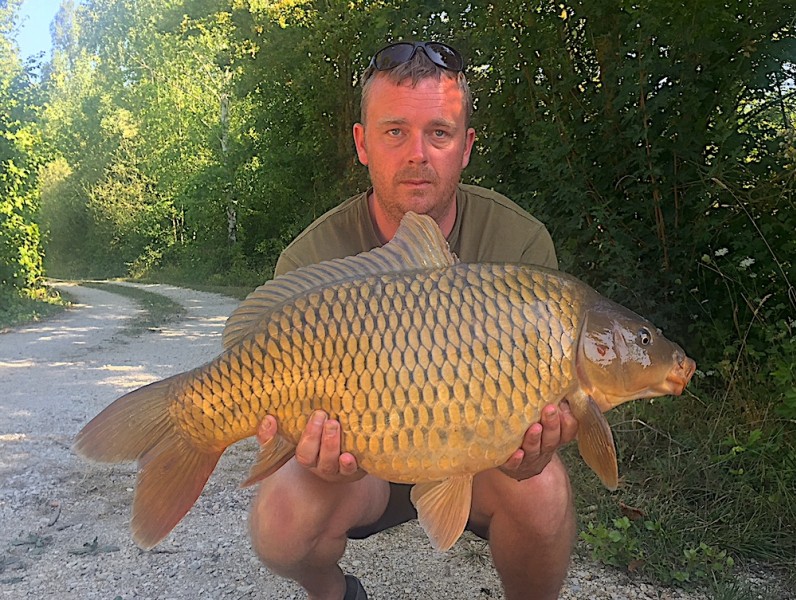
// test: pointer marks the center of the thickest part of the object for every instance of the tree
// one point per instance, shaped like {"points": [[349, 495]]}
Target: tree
{"points": [[140, 103], [20, 252], [625, 128]]}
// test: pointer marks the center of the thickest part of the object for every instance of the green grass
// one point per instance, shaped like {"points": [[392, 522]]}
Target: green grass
{"points": [[237, 284], [16, 309], [158, 309], [233, 291]]}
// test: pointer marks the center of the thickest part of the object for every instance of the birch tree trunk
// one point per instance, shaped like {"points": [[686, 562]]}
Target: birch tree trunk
{"points": [[230, 200]]}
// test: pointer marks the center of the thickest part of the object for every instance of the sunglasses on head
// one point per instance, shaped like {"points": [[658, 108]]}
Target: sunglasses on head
{"points": [[399, 53]]}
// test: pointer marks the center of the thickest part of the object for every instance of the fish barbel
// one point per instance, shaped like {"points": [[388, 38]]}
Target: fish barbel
{"points": [[434, 368]]}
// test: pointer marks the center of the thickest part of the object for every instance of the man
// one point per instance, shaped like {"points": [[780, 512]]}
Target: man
{"points": [[415, 140]]}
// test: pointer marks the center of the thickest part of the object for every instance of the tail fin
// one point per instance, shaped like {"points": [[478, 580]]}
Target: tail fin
{"points": [[171, 473]]}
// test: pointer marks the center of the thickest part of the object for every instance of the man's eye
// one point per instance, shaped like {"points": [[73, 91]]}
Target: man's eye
{"points": [[440, 133], [394, 132]]}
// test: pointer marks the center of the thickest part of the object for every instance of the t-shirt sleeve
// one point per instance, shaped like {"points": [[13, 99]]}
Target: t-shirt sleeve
{"points": [[286, 263], [343, 231]]}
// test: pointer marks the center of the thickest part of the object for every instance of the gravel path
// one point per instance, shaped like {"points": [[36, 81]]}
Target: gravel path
{"points": [[64, 522]]}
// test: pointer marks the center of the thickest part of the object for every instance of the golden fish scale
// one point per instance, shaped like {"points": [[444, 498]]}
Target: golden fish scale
{"points": [[429, 373]]}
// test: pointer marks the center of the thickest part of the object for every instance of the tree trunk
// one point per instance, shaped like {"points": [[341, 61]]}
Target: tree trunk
{"points": [[230, 200]]}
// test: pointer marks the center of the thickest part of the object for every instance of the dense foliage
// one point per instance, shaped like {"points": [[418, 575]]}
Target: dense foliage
{"points": [[20, 251], [194, 138]]}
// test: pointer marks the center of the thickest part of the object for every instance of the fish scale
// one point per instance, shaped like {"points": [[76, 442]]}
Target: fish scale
{"points": [[434, 369]]}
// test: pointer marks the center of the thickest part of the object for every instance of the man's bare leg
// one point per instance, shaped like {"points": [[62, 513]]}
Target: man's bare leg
{"points": [[531, 529], [299, 524]]}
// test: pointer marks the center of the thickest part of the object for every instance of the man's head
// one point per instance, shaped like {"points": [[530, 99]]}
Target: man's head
{"points": [[415, 61], [414, 136]]}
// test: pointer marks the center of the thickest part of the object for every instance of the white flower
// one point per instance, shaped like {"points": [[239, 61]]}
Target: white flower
{"points": [[746, 262], [721, 252]]}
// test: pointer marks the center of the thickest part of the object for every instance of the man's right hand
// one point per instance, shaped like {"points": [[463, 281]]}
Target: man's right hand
{"points": [[319, 448]]}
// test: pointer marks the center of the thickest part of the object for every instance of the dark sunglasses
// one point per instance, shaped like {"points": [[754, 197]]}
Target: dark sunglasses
{"points": [[399, 53]]}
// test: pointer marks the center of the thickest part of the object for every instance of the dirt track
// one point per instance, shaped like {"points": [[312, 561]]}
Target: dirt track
{"points": [[63, 522]]}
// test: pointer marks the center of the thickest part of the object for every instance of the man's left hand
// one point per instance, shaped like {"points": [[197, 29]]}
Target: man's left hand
{"points": [[557, 427]]}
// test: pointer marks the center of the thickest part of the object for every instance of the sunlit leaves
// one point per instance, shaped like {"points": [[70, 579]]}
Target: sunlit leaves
{"points": [[20, 253]]}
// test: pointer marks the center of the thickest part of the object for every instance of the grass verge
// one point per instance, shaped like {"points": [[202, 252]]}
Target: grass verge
{"points": [[157, 308], [236, 287], [700, 499], [16, 309], [233, 291]]}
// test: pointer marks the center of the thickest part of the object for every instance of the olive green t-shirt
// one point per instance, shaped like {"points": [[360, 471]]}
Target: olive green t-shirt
{"points": [[489, 228]]}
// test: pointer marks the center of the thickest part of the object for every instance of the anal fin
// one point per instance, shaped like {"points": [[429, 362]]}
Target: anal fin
{"points": [[273, 454], [443, 508], [170, 479], [595, 441]]}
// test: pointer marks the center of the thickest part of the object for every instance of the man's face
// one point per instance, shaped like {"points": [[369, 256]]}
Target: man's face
{"points": [[415, 145]]}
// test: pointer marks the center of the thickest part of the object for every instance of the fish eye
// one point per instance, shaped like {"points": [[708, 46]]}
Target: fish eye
{"points": [[644, 337]]}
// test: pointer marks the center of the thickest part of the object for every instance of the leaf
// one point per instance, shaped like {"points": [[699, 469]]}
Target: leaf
{"points": [[636, 565], [92, 548], [632, 513], [34, 540]]}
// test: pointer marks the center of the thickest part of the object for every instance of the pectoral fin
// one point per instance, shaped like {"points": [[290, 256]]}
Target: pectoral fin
{"points": [[273, 454], [595, 441], [443, 508]]}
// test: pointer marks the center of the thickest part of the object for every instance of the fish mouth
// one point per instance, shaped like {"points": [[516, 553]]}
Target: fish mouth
{"points": [[679, 376]]}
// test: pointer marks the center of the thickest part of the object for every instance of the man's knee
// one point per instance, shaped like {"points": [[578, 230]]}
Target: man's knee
{"points": [[272, 524], [548, 501], [293, 518], [541, 505]]}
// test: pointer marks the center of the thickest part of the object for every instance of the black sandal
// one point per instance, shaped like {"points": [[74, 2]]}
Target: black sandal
{"points": [[354, 589]]}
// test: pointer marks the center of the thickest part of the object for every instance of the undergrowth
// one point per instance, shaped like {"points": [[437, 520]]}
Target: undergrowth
{"points": [[17, 308], [708, 482]]}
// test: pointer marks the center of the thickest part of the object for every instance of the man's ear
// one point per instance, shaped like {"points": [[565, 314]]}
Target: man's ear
{"points": [[468, 146], [359, 141]]}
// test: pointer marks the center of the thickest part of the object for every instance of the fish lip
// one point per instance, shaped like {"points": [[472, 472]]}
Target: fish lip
{"points": [[679, 376], [674, 385]]}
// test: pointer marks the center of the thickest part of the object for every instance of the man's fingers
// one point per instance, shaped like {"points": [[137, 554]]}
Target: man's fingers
{"points": [[310, 442], [569, 424], [532, 441], [514, 461], [551, 430], [329, 455], [556, 427], [348, 464]]}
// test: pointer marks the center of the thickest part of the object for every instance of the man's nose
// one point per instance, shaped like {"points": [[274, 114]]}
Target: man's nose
{"points": [[418, 149]]}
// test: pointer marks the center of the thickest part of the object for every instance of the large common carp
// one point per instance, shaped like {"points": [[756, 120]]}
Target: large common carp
{"points": [[434, 368]]}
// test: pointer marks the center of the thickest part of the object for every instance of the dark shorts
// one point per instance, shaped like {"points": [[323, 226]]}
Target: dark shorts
{"points": [[399, 510]]}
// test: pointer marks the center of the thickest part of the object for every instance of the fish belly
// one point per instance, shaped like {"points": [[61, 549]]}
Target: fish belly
{"points": [[430, 374]]}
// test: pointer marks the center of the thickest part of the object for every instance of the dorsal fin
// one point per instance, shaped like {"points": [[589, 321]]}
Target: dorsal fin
{"points": [[418, 244]]}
